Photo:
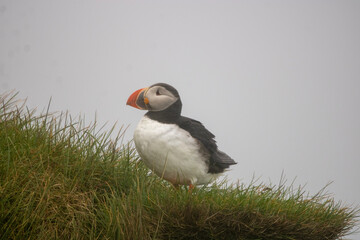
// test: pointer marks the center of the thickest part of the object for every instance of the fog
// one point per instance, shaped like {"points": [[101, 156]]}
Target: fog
{"points": [[277, 82]]}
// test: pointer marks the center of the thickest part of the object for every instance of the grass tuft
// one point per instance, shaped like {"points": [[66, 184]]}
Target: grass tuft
{"points": [[62, 179]]}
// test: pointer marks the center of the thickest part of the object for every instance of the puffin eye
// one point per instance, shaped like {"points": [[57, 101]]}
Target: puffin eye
{"points": [[158, 92]]}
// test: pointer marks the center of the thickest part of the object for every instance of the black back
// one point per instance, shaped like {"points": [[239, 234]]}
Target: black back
{"points": [[218, 160]]}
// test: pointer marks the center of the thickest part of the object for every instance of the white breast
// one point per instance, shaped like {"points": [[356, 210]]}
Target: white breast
{"points": [[171, 152]]}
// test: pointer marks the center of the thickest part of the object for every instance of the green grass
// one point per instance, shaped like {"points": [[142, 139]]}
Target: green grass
{"points": [[60, 179]]}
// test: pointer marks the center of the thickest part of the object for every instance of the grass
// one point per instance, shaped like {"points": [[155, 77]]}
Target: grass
{"points": [[60, 179]]}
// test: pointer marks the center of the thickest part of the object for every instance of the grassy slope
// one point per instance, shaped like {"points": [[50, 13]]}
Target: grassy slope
{"points": [[60, 179]]}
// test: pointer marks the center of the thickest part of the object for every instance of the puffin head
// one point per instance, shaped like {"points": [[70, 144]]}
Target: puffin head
{"points": [[155, 98]]}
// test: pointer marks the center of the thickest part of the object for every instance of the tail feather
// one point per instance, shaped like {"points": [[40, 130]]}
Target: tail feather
{"points": [[219, 161], [223, 158]]}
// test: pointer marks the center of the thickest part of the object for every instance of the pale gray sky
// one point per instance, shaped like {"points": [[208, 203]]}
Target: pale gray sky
{"points": [[278, 82]]}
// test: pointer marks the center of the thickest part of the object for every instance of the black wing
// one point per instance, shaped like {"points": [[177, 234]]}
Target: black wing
{"points": [[218, 160]]}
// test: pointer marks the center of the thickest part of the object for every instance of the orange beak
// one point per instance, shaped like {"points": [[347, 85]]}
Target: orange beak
{"points": [[137, 99]]}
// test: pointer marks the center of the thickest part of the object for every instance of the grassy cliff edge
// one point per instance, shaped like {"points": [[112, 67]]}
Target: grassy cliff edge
{"points": [[60, 179]]}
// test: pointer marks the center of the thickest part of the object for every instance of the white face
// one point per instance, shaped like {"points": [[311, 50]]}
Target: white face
{"points": [[159, 98]]}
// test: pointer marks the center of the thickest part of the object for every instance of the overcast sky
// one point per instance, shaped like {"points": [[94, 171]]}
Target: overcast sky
{"points": [[277, 82]]}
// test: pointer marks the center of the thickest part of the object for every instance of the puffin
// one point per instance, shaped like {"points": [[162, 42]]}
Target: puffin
{"points": [[176, 148]]}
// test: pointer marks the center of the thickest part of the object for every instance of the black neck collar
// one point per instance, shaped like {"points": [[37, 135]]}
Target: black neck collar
{"points": [[169, 115]]}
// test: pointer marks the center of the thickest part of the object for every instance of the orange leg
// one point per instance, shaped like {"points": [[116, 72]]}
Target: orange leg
{"points": [[191, 187]]}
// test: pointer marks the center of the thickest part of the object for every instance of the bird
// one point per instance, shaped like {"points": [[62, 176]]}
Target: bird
{"points": [[176, 148]]}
